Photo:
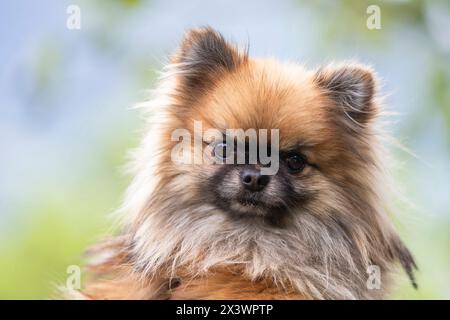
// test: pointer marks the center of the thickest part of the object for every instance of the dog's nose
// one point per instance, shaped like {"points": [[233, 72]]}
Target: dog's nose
{"points": [[253, 180]]}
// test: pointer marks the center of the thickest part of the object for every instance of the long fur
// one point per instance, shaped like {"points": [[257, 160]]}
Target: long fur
{"points": [[176, 245]]}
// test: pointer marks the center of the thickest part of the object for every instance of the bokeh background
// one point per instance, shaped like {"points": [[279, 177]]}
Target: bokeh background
{"points": [[66, 126]]}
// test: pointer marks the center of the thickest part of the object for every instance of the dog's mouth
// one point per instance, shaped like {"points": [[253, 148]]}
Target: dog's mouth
{"points": [[244, 203], [249, 202], [248, 207], [253, 204]]}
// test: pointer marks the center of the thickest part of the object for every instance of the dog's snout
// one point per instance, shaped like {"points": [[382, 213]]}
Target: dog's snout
{"points": [[253, 180]]}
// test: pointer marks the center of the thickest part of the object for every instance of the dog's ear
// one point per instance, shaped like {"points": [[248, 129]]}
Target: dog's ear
{"points": [[203, 56], [352, 88]]}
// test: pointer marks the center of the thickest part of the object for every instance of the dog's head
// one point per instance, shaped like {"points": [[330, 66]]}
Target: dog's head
{"points": [[311, 130]]}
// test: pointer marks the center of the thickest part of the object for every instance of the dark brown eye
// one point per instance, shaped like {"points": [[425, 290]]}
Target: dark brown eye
{"points": [[295, 162], [220, 151]]}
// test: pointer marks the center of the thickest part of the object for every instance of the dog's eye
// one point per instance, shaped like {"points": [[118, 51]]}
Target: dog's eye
{"points": [[295, 162], [220, 151]]}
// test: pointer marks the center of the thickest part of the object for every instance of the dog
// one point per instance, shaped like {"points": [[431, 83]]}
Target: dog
{"points": [[209, 230]]}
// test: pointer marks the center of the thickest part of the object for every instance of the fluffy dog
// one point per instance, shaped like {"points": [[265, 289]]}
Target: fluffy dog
{"points": [[226, 231]]}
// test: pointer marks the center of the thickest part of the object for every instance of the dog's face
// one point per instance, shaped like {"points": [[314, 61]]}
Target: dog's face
{"points": [[323, 119], [264, 96]]}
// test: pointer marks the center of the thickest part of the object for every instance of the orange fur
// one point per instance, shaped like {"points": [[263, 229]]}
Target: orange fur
{"points": [[226, 284]]}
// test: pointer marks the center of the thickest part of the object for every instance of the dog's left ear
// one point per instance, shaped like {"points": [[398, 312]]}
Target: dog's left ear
{"points": [[352, 88]]}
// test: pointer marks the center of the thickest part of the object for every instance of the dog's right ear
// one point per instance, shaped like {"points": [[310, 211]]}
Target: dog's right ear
{"points": [[203, 56]]}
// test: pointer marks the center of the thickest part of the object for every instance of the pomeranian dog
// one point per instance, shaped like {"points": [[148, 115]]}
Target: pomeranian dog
{"points": [[208, 230]]}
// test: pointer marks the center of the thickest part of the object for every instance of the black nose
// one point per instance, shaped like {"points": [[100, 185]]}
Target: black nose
{"points": [[253, 180]]}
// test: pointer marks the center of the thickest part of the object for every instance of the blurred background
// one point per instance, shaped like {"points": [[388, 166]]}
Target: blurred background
{"points": [[66, 126]]}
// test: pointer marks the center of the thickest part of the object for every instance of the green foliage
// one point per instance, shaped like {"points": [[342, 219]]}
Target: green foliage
{"points": [[60, 223]]}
